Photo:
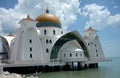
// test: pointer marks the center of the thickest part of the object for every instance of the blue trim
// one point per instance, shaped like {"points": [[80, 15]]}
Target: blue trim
{"points": [[42, 24]]}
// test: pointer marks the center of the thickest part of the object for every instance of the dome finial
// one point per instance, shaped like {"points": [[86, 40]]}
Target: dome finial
{"points": [[47, 10]]}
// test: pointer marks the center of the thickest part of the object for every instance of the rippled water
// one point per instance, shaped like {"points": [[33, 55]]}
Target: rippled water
{"points": [[106, 70]]}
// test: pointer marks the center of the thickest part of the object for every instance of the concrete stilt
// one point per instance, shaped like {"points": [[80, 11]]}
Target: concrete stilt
{"points": [[1, 69], [71, 66], [96, 65], [85, 66], [75, 64]]}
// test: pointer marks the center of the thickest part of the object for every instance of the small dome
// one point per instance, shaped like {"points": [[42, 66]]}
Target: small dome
{"points": [[48, 20]]}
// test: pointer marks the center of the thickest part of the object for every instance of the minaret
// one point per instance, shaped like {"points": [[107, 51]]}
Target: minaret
{"points": [[94, 45]]}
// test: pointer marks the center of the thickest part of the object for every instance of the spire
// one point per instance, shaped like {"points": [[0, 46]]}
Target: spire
{"points": [[47, 10], [28, 17], [10, 34], [90, 29]]}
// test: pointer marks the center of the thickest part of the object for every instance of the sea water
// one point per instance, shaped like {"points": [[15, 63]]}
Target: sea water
{"points": [[109, 69]]}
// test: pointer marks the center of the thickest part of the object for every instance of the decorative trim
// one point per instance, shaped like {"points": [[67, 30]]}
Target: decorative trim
{"points": [[53, 24]]}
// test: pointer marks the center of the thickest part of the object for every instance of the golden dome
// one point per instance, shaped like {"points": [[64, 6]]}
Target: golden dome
{"points": [[48, 18]]}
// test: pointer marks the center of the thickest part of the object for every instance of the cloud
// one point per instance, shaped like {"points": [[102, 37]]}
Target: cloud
{"points": [[8, 20], [99, 16], [66, 10]]}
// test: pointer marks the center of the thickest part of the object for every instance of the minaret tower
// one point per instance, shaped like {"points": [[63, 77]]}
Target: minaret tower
{"points": [[93, 43]]}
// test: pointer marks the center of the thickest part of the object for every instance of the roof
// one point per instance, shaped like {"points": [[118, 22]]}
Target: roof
{"points": [[7, 38], [28, 18], [90, 29], [10, 34]]}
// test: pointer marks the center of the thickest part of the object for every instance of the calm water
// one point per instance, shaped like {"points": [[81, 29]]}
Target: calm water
{"points": [[106, 70]]}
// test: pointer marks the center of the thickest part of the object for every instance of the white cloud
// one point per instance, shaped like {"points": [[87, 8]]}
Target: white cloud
{"points": [[99, 16], [66, 10], [8, 20]]}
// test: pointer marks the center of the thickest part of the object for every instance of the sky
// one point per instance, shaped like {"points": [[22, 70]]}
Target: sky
{"points": [[102, 15]]}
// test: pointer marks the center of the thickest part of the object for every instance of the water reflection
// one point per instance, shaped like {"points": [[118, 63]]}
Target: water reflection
{"points": [[105, 70]]}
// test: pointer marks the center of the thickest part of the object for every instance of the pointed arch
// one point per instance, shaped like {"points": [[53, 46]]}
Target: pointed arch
{"points": [[65, 38], [5, 47]]}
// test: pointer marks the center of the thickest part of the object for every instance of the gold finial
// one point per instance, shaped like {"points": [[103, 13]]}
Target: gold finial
{"points": [[47, 10]]}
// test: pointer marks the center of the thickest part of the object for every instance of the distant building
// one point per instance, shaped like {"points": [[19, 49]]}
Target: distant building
{"points": [[43, 42]]}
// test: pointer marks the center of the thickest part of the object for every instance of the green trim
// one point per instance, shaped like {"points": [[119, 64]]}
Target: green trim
{"points": [[65, 38]]}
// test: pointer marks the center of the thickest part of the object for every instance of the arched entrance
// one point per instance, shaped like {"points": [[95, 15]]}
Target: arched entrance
{"points": [[5, 49], [66, 38]]}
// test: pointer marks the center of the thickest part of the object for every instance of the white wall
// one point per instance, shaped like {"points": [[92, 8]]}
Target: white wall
{"points": [[50, 31], [94, 45], [22, 44], [71, 51]]}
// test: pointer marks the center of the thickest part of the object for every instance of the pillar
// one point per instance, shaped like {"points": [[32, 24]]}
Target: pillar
{"points": [[1, 69], [85, 66]]}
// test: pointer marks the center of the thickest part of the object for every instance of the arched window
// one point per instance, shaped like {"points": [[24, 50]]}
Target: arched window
{"points": [[70, 54], [30, 48], [45, 32], [30, 41], [50, 41], [47, 41], [53, 32], [64, 55], [76, 54], [95, 45], [47, 50], [88, 44], [30, 55]]}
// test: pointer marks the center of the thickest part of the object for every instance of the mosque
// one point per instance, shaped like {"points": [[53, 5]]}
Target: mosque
{"points": [[43, 42]]}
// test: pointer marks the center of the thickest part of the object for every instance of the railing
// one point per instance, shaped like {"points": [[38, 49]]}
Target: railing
{"points": [[99, 59], [68, 60], [21, 61], [7, 61], [55, 60], [76, 59]]}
